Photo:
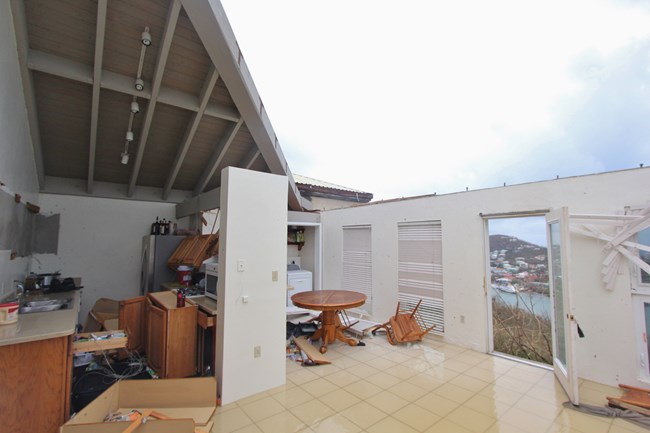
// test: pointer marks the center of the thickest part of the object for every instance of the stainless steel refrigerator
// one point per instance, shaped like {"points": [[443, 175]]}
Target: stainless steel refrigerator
{"points": [[156, 251]]}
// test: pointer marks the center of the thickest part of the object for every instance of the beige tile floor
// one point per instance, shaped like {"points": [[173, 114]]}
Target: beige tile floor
{"points": [[431, 387]]}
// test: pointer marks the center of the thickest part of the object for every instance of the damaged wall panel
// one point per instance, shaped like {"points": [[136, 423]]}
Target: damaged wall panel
{"points": [[24, 232]]}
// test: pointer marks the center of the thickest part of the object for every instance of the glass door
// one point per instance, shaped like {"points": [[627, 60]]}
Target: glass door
{"points": [[564, 328]]}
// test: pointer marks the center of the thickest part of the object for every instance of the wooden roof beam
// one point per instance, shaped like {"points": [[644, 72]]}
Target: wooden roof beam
{"points": [[163, 53], [97, 79], [206, 92], [217, 156], [65, 68]]}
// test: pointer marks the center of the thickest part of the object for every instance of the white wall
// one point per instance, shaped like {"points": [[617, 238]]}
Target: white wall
{"points": [[251, 306], [607, 352], [100, 240], [17, 167]]}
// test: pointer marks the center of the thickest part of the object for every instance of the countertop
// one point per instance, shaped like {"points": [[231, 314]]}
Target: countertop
{"points": [[41, 326]]}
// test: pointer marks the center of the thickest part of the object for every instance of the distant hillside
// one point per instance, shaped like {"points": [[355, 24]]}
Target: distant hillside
{"points": [[516, 247]]}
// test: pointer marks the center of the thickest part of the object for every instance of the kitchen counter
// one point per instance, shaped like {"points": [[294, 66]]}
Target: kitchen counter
{"points": [[45, 325]]}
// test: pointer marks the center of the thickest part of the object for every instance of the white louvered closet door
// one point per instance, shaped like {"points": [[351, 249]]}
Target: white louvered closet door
{"points": [[357, 263], [420, 270]]}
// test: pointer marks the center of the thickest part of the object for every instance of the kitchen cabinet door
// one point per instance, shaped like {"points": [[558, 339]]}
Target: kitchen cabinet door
{"points": [[132, 320], [156, 338]]}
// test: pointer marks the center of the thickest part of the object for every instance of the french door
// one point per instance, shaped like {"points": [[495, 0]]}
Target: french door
{"points": [[564, 327]]}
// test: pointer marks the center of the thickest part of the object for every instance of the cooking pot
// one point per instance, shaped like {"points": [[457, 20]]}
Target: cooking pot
{"points": [[45, 280]]}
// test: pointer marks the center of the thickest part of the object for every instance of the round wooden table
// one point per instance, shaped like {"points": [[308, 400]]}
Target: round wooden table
{"points": [[329, 302]]}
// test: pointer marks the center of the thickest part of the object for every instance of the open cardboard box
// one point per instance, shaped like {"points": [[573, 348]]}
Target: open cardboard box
{"points": [[189, 402]]}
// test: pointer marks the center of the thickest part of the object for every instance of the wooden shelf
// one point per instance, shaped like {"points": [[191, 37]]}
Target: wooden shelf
{"points": [[300, 244]]}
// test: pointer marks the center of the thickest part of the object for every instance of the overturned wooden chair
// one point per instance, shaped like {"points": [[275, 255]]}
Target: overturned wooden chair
{"points": [[405, 326]]}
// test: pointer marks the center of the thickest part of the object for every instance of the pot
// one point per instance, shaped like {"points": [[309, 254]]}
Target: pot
{"points": [[45, 280]]}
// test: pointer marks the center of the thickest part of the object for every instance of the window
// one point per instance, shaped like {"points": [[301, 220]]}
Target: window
{"points": [[420, 270], [357, 263], [641, 305]]}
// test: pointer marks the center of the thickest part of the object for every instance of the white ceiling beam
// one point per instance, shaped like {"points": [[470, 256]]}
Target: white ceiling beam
{"points": [[250, 158], [97, 79], [216, 157], [77, 187], [22, 42], [193, 126], [64, 68], [212, 26], [163, 54], [205, 201]]}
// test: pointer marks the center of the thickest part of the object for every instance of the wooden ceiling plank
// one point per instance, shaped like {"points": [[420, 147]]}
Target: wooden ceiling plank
{"points": [[163, 53], [206, 91], [217, 156], [65, 68], [22, 42], [97, 79]]}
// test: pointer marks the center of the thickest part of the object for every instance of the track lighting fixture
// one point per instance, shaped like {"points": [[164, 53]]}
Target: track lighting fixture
{"points": [[146, 37], [139, 84], [135, 107], [125, 158], [129, 135]]}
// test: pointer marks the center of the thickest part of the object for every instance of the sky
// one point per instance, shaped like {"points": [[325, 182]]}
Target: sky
{"points": [[406, 98]]}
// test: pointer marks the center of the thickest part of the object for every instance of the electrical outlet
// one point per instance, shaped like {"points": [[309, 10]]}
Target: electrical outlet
{"points": [[257, 351], [274, 276], [241, 265]]}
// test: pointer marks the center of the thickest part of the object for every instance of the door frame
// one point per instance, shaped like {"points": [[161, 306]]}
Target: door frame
{"points": [[566, 374]]}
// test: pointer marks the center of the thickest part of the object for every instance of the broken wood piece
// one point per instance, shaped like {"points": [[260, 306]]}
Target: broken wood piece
{"points": [[631, 395], [33, 208], [312, 353], [615, 401], [17, 198]]}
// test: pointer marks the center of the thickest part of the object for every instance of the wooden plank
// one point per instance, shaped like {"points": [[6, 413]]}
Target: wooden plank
{"points": [[312, 353]]}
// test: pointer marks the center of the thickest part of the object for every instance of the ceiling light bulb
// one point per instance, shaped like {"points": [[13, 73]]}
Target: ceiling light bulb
{"points": [[135, 107], [146, 37], [125, 158], [129, 135], [139, 84]]}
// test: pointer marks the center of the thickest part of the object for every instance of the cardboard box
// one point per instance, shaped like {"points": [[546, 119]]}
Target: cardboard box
{"points": [[103, 310], [189, 403]]}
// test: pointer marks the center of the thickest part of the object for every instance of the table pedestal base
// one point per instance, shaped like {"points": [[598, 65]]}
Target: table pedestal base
{"points": [[331, 330]]}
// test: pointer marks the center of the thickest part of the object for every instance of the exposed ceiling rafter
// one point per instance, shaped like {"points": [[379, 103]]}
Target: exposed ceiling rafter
{"points": [[206, 92], [163, 53], [250, 158], [64, 68], [22, 42], [217, 156], [97, 79]]}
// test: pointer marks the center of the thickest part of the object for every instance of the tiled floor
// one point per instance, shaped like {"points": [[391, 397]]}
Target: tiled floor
{"points": [[430, 387]]}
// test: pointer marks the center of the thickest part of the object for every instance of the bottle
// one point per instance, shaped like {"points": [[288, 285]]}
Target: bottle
{"points": [[154, 227], [180, 298], [163, 226]]}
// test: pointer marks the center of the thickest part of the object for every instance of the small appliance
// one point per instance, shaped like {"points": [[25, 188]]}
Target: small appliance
{"points": [[211, 280]]}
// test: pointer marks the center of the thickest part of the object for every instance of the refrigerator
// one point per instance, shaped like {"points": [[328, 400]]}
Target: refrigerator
{"points": [[156, 250]]}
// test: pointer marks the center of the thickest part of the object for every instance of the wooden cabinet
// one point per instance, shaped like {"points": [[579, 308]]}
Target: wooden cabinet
{"points": [[35, 385], [171, 336], [132, 321]]}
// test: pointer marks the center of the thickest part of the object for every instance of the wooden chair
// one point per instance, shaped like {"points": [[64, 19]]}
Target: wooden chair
{"points": [[405, 326]]}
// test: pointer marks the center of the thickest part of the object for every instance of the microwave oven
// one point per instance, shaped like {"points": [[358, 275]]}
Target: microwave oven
{"points": [[211, 280]]}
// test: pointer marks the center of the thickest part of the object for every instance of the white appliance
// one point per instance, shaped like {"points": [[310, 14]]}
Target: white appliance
{"points": [[299, 279], [156, 251], [211, 280]]}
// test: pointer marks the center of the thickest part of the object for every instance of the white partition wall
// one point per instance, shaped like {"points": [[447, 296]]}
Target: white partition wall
{"points": [[252, 290]]}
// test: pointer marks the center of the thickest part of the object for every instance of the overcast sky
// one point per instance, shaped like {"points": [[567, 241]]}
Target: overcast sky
{"points": [[407, 97]]}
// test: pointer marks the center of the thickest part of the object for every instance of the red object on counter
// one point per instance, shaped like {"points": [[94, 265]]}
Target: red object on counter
{"points": [[180, 299]]}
